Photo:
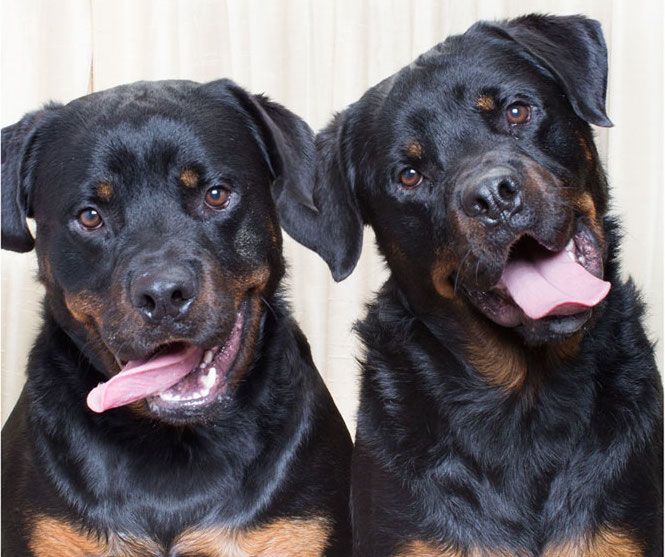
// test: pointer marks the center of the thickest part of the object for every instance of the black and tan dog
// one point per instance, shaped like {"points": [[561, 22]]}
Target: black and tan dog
{"points": [[510, 405], [172, 407]]}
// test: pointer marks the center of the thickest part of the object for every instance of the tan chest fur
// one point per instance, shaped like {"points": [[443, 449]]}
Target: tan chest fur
{"points": [[51, 537]]}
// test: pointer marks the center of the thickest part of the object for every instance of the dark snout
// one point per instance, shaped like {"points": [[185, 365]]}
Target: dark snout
{"points": [[492, 196], [165, 291]]}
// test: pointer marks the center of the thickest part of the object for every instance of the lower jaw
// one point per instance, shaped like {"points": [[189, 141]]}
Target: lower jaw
{"points": [[534, 331], [197, 401], [552, 329]]}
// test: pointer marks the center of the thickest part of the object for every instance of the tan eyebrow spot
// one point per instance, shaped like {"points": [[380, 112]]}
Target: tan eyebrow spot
{"points": [[485, 103], [189, 178], [415, 150], [104, 191]]}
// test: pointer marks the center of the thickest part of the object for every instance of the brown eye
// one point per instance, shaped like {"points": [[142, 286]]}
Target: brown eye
{"points": [[518, 113], [410, 177], [90, 218], [217, 197]]}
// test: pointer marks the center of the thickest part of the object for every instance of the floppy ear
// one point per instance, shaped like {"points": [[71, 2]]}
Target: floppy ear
{"points": [[313, 198], [334, 229], [19, 152], [573, 49]]}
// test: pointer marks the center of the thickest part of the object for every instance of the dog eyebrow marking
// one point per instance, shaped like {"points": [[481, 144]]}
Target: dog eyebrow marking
{"points": [[485, 103], [104, 190], [189, 178], [415, 149]]}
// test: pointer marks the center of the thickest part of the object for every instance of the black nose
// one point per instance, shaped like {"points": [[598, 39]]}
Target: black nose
{"points": [[493, 197], [162, 293]]}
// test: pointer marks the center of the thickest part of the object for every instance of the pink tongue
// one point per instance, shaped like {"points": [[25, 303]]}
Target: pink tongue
{"points": [[142, 378], [552, 284]]}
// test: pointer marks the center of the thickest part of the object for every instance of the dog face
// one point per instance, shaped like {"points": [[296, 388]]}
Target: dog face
{"points": [[472, 162], [157, 235]]}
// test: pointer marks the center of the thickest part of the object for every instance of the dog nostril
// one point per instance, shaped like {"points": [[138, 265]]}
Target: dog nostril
{"points": [[481, 205], [506, 190], [177, 297], [148, 303]]}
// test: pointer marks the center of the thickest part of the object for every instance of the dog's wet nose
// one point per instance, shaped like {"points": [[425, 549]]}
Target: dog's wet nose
{"points": [[493, 197], [163, 293]]}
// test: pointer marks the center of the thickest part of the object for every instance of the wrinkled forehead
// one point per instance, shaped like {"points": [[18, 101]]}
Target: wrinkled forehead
{"points": [[445, 83], [136, 147], [154, 145]]}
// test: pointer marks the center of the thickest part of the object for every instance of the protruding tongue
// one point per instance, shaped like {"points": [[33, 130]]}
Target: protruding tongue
{"points": [[552, 284], [142, 378]]}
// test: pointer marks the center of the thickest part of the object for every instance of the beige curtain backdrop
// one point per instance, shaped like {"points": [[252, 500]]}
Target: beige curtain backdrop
{"points": [[316, 57]]}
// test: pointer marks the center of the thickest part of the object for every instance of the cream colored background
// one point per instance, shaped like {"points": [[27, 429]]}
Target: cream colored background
{"points": [[316, 57]]}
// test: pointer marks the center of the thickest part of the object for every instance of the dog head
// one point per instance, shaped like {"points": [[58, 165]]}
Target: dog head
{"points": [[157, 235], [477, 170]]}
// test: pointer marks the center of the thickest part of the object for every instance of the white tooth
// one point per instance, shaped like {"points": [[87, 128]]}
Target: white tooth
{"points": [[202, 365], [208, 380], [169, 397], [570, 245], [571, 255], [582, 259], [207, 357]]}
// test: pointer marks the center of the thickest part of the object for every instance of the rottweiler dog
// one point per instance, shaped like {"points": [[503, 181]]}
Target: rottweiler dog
{"points": [[510, 401], [172, 407]]}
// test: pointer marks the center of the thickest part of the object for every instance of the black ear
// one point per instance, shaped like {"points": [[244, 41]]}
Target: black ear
{"points": [[312, 195], [335, 229], [19, 153], [573, 49]]}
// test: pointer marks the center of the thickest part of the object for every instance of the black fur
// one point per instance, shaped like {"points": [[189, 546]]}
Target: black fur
{"points": [[274, 446], [443, 454]]}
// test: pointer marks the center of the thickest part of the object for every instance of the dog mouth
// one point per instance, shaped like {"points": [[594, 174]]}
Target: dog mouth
{"points": [[174, 376], [537, 283]]}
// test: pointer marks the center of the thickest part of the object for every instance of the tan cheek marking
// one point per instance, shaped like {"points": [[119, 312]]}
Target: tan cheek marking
{"points": [[586, 150], [441, 274], [565, 350], [45, 274], [496, 358], [607, 542], [189, 178], [282, 538], [585, 205], [51, 537], [84, 307], [104, 191], [485, 103], [274, 233], [246, 355], [415, 150]]}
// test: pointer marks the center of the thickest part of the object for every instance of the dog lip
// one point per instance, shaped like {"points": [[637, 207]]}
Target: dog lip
{"points": [[175, 410], [553, 245], [154, 348], [496, 302]]}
